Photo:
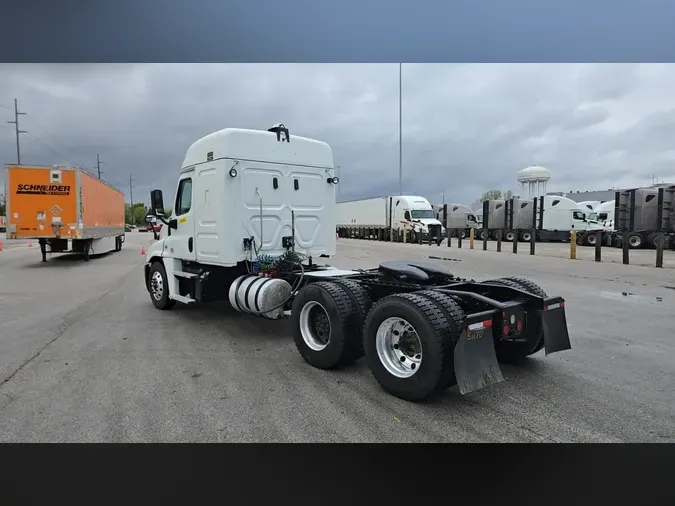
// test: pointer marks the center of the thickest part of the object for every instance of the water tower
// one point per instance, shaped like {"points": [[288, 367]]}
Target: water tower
{"points": [[533, 181]]}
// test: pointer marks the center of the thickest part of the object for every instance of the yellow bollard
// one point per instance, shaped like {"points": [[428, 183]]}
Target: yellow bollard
{"points": [[573, 245], [472, 233], [405, 233]]}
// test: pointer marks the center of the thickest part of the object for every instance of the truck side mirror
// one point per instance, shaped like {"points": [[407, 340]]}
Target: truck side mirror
{"points": [[157, 202]]}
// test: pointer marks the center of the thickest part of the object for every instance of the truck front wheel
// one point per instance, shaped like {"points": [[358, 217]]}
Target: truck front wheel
{"points": [[159, 287]]}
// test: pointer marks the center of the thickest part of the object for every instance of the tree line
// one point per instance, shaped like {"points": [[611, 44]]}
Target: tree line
{"points": [[497, 195]]}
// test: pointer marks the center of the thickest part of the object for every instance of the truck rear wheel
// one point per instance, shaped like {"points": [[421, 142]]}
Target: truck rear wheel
{"points": [[362, 304], [325, 325], [158, 285], [514, 352], [454, 314], [409, 345]]}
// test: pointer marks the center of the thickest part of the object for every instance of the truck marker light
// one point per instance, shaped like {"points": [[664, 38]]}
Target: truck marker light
{"points": [[480, 325]]}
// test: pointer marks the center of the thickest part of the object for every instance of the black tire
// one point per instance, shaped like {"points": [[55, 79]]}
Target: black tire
{"points": [[163, 302], [526, 236], [509, 236], [342, 344], [435, 337], [528, 286], [590, 239], [462, 234], [513, 353], [635, 241], [652, 238], [455, 315], [362, 303], [483, 234]]}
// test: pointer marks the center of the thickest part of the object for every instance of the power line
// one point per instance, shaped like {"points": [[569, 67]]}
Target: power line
{"points": [[17, 130]]}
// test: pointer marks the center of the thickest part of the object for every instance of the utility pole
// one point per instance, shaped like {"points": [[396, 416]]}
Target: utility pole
{"points": [[17, 130], [131, 197], [98, 165], [400, 130]]}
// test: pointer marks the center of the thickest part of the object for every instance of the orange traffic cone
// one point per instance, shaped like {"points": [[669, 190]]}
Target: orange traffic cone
{"points": [[0, 245], [142, 250], [30, 244]]}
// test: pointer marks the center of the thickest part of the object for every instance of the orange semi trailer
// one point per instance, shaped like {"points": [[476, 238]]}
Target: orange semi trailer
{"points": [[66, 209]]}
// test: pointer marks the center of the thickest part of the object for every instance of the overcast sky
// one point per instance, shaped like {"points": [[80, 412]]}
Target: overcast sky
{"points": [[466, 128]]}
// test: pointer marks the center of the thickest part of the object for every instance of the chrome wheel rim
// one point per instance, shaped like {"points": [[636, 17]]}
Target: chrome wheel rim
{"points": [[635, 241], [157, 285], [592, 239], [509, 236], [398, 347], [315, 326]]}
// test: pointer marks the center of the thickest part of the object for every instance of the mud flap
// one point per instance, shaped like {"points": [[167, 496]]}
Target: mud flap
{"points": [[475, 358], [554, 321]]}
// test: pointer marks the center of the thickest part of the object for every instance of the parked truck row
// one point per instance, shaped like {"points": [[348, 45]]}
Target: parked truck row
{"points": [[65, 209], [640, 216]]}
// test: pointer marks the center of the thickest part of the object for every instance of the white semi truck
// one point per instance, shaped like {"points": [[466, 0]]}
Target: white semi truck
{"points": [[401, 211], [460, 219], [254, 208]]}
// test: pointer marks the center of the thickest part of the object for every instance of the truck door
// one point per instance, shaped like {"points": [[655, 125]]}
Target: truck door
{"points": [[181, 243]]}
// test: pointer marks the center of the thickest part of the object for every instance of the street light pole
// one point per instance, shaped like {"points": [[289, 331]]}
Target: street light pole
{"points": [[400, 129]]}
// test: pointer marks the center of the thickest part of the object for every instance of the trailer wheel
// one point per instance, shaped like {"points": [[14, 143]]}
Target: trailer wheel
{"points": [[462, 234], [454, 314], [158, 283], [408, 341], [510, 236], [362, 303], [510, 353], [325, 330], [483, 235]]}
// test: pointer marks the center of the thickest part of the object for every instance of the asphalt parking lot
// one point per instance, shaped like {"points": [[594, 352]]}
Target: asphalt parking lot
{"points": [[85, 357]]}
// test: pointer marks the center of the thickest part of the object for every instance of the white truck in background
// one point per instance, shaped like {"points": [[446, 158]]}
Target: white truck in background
{"points": [[400, 211], [587, 206], [603, 213]]}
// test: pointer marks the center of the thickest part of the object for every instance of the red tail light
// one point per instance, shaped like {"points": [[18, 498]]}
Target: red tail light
{"points": [[506, 330]]}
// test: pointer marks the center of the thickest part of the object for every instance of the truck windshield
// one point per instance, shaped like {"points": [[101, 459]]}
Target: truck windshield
{"points": [[593, 216], [422, 214]]}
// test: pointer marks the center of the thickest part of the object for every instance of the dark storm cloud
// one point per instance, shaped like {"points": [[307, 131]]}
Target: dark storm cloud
{"points": [[466, 128]]}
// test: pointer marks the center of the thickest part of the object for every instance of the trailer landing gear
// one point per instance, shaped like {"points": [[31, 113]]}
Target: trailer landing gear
{"points": [[43, 249]]}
